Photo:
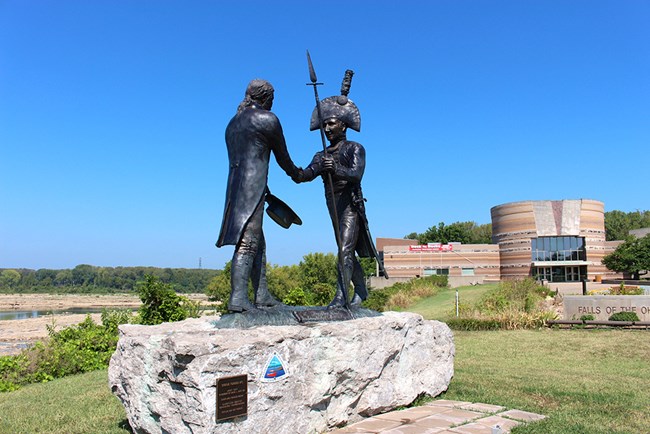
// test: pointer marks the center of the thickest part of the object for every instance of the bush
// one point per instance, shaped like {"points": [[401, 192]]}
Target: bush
{"points": [[111, 319], [473, 324], [296, 297], [506, 320], [624, 316], [523, 295], [625, 290], [84, 347], [511, 305], [377, 300], [160, 303], [588, 317], [88, 346]]}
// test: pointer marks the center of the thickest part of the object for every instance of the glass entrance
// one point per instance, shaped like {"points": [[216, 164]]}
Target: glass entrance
{"points": [[543, 273], [572, 274], [560, 274]]}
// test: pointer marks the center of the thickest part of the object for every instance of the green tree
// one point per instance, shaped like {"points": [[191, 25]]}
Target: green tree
{"points": [[283, 279], [9, 279], [369, 266], [319, 277], [83, 275], [318, 268], [462, 232], [219, 288], [63, 277], [618, 224], [633, 257], [412, 236]]}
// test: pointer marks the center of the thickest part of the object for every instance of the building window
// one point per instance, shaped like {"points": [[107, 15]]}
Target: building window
{"points": [[467, 272], [436, 271], [558, 249]]}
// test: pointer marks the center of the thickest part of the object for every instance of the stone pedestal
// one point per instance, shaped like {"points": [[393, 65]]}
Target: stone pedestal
{"points": [[338, 372]]}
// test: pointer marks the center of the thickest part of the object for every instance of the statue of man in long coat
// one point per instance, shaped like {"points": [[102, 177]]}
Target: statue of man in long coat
{"points": [[251, 136]]}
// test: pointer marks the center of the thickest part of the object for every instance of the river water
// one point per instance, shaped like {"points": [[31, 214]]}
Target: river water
{"points": [[25, 314]]}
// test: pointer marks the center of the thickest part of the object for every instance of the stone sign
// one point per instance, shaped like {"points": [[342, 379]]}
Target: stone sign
{"points": [[604, 306]]}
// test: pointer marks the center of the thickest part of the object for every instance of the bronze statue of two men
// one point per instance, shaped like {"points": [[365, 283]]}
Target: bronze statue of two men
{"points": [[251, 136]]}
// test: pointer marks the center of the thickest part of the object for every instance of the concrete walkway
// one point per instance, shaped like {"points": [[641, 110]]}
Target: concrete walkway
{"points": [[444, 417]]}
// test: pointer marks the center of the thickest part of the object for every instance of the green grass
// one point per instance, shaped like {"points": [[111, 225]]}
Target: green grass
{"points": [[79, 404], [585, 381], [442, 305]]}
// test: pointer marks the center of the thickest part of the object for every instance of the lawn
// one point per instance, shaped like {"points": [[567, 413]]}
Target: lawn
{"points": [[585, 381], [80, 404], [443, 304]]}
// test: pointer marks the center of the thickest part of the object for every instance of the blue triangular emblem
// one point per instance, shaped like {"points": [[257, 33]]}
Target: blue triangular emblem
{"points": [[275, 369]]}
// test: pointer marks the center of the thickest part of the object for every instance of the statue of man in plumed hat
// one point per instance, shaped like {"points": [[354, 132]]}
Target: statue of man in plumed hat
{"points": [[251, 136], [345, 161]]}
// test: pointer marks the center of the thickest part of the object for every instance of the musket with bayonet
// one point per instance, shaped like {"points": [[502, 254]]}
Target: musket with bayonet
{"points": [[328, 178]]}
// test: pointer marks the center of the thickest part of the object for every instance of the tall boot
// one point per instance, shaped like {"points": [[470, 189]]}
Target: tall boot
{"points": [[359, 282], [263, 297], [344, 276], [240, 272]]}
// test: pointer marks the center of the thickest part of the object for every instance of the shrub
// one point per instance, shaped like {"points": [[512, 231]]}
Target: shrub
{"points": [[624, 316], [588, 317], [377, 300], [84, 347], [111, 319], [88, 346], [160, 303], [295, 297], [511, 305], [523, 295], [506, 320], [622, 289], [473, 324], [322, 293]]}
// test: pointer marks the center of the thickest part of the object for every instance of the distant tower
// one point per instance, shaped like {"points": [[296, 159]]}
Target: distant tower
{"points": [[199, 263]]}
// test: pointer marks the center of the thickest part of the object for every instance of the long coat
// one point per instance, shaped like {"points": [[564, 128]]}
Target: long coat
{"points": [[251, 136]]}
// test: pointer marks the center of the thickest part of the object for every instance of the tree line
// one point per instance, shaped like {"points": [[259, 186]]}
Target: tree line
{"points": [[460, 232], [92, 279], [618, 225]]}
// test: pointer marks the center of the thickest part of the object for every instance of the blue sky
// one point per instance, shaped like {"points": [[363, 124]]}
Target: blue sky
{"points": [[112, 116]]}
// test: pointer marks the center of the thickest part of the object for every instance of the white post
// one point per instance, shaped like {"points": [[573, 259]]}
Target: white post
{"points": [[457, 302]]}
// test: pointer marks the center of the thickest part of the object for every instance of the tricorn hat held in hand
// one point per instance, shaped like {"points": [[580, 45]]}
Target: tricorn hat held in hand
{"points": [[280, 212], [338, 107]]}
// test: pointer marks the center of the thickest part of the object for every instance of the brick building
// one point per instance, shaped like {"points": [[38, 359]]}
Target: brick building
{"points": [[558, 241]]}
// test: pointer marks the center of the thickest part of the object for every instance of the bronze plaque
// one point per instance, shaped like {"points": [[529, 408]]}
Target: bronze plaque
{"points": [[232, 397]]}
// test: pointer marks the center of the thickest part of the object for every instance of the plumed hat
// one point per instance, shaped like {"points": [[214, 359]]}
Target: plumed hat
{"points": [[339, 107]]}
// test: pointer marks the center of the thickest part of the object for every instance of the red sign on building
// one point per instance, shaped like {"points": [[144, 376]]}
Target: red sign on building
{"points": [[432, 247]]}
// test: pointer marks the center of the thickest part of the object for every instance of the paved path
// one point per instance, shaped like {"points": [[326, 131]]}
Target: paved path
{"points": [[444, 417]]}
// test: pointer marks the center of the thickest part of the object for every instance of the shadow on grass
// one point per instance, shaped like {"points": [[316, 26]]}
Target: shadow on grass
{"points": [[125, 426]]}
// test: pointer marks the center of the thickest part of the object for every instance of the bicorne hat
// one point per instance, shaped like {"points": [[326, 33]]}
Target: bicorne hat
{"points": [[338, 107]]}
